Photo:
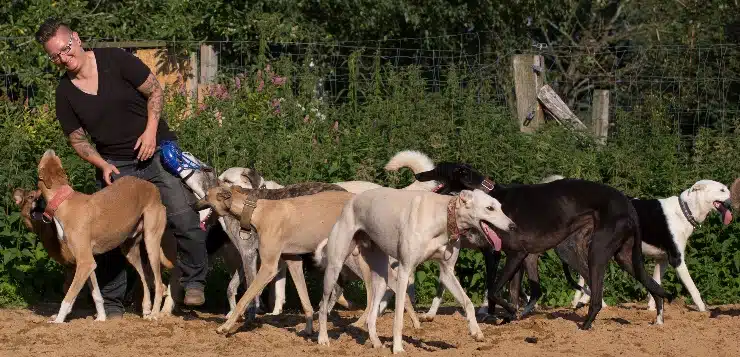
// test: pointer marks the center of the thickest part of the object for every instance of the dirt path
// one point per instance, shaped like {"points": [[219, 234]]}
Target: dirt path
{"points": [[619, 331]]}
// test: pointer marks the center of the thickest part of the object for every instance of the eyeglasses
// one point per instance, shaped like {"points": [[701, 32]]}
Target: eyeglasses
{"points": [[65, 50]]}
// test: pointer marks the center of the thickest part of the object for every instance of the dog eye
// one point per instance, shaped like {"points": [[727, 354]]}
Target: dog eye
{"points": [[490, 208]]}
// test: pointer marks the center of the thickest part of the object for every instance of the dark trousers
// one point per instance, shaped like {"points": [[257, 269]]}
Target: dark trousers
{"points": [[181, 219]]}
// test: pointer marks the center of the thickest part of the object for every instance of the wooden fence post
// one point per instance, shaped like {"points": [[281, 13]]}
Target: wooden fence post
{"points": [[191, 82], [208, 69], [529, 77], [600, 115]]}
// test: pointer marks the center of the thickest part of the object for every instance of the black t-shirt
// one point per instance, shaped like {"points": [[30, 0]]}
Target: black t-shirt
{"points": [[117, 115]]}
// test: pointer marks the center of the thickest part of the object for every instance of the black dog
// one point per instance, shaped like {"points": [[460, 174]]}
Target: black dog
{"points": [[548, 214]]}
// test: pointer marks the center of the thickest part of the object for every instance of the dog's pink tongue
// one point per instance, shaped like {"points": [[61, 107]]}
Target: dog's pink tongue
{"points": [[202, 226], [492, 237], [726, 217]]}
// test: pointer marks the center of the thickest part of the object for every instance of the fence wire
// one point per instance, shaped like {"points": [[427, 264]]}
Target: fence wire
{"points": [[691, 86]]}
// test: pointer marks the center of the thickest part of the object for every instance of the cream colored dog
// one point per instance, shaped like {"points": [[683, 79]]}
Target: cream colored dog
{"points": [[412, 227]]}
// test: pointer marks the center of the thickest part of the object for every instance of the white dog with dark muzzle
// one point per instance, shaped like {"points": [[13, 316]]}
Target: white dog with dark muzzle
{"points": [[412, 227]]}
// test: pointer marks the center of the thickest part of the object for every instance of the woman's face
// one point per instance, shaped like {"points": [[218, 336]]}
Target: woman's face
{"points": [[65, 50]]}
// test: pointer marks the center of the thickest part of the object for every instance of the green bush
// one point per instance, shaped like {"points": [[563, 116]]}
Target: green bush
{"points": [[299, 138]]}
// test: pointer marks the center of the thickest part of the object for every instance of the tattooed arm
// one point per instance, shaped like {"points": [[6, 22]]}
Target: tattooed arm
{"points": [[87, 152], [85, 149], [153, 91]]}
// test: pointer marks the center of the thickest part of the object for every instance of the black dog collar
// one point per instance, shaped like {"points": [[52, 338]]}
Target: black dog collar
{"points": [[687, 212]]}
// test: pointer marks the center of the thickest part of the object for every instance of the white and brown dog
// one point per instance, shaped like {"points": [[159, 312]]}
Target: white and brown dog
{"points": [[416, 161], [122, 215], [412, 227]]}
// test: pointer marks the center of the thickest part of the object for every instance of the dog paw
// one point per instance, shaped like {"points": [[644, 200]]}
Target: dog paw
{"points": [[55, 321], [151, 317], [226, 328], [398, 349], [478, 336], [323, 339], [426, 318], [376, 342]]}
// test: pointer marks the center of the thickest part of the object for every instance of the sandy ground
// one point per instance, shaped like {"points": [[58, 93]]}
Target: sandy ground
{"points": [[625, 330]]}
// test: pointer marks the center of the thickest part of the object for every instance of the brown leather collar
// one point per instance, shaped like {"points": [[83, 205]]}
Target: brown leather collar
{"points": [[248, 204], [453, 231]]}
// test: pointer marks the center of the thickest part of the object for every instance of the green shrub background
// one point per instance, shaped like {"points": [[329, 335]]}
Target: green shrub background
{"points": [[353, 141]]}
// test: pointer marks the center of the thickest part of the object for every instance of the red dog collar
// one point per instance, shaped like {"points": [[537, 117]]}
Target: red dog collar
{"points": [[59, 197], [453, 231]]}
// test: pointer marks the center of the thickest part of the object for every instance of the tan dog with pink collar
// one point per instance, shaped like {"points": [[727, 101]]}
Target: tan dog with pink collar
{"points": [[120, 215]]}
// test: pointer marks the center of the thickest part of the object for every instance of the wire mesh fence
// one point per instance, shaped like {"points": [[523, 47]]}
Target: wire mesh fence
{"points": [[693, 86]]}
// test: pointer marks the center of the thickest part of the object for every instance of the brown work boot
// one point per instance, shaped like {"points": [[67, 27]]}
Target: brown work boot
{"points": [[194, 297]]}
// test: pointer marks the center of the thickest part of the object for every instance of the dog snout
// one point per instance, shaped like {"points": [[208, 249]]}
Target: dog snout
{"points": [[512, 227], [200, 205], [728, 204]]}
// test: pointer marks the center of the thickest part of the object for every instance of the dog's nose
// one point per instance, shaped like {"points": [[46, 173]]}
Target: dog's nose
{"points": [[512, 227]]}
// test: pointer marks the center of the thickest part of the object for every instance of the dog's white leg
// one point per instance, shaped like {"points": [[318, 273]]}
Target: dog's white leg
{"points": [[338, 248], [231, 290], [97, 297], [85, 266], [447, 277], [169, 303], [436, 301], [577, 296], [402, 280], [660, 267], [683, 274], [278, 290], [378, 262]]}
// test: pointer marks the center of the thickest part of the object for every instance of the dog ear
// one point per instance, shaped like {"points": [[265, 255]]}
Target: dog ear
{"points": [[254, 177], [698, 187], [18, 195], [43, 178], [223, 195], [466, 196], [735, 194]]}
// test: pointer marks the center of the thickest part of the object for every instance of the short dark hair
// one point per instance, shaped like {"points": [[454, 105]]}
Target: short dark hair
{"points": [[48, 29]]}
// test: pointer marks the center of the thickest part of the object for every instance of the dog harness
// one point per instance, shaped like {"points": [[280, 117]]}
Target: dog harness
{"points": [[59, 197], [687, 212], [453, 231]]}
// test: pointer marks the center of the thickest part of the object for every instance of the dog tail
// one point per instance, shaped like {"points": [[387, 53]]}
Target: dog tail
{"points": [[569, 278], [319, 255], [163, 260], [639, 266], [416, 161], [552, 178]]}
